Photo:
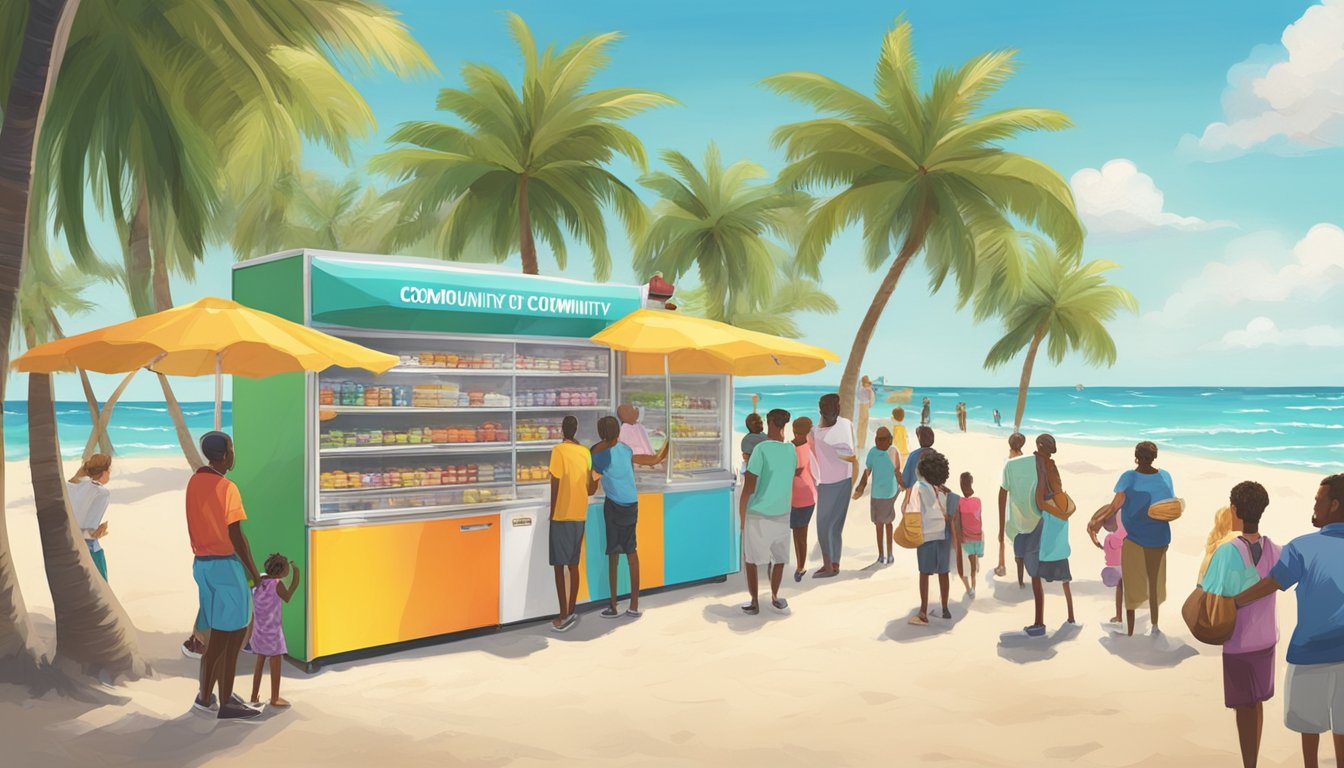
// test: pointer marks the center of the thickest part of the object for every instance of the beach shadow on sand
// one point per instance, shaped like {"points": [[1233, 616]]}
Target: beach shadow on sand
{"points": [[1019, 648], [1147, 651], [902, 631], [1006, 590], [190, 739], [732, 616]]}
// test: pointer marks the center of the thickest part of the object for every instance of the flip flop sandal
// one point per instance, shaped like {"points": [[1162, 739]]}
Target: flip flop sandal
{"points": [[751, 610], [798, 575], [919, 622], [1035, 630], [610, 613], [947, 614], [781, 604], [634, 614]]}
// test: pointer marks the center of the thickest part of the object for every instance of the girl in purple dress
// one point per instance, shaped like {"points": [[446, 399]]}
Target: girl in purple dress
{"points": [[268, 639]]}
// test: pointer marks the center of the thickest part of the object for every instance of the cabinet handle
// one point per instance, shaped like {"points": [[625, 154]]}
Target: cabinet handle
{"points": [[475, 527]]}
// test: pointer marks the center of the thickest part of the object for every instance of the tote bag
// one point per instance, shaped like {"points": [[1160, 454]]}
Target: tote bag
{"points": [[909, 532]]}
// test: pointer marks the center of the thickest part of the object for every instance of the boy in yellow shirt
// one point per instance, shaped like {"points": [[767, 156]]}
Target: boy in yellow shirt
{"points": [[572, 483]]}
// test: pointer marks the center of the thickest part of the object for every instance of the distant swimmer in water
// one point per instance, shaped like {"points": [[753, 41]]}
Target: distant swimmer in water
{"points": [[924, 414], [996, 418]]}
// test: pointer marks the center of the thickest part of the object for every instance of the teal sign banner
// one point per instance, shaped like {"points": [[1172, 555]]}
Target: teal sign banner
{"points": [[398, 295]]}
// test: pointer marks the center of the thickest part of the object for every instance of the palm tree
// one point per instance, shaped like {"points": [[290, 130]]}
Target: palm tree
{"points": [[94, 636], [41, 47], [1065, 305], [786, 293], [716, 221], [924, 170], [532, 164], [218, 99], [319, 212]]}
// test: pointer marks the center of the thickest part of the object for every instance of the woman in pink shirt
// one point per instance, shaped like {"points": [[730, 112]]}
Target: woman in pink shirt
{"points": [[804, 492], [1248, 656]]}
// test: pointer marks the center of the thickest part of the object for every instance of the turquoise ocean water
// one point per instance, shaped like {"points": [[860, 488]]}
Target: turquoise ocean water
{"points": [[1300, 428], [136, 429]]}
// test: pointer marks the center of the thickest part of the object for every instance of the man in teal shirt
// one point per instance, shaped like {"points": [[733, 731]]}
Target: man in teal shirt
{"points": [[767, 493]]}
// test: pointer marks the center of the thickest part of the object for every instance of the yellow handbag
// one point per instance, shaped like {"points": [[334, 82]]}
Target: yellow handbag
{"points": [[1167, 509], [909, 532]]}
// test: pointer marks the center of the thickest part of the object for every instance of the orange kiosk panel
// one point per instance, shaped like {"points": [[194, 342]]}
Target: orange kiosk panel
{"points": [[381, 584]]}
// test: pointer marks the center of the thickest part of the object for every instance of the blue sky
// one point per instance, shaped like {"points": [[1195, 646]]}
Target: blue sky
{"points": [[1204, 228]]}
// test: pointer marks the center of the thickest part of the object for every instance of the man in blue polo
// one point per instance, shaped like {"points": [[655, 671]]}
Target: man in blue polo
{"points": [[1314, 563]]}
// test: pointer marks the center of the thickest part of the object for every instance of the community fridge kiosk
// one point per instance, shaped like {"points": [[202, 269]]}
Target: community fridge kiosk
{"points": [[416, 502]]}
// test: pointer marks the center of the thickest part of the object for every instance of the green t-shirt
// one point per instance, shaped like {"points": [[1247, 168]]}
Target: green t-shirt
{"points": [[1228, 574], [1019, 479], [773, 463]]}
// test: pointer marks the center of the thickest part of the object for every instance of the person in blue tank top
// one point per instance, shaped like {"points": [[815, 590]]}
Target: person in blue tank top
{"points": [[1143, 556], [614, 463]]}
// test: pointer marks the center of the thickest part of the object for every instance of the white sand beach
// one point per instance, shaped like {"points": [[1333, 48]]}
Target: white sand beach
{"points": [[843, 680]]}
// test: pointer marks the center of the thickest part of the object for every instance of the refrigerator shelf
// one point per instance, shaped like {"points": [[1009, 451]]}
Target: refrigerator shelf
{"points": [[392, 514], [418, 449], [347, 493], [524, 445], [361, 409], [562, 409], [455, 371]]}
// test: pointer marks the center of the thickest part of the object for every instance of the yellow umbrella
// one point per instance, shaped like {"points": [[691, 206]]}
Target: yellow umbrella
{"points": [[657, 341], [207, 336]]}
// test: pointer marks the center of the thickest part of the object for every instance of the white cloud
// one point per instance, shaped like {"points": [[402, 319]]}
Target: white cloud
{"points": [[1263, 331], [1294, 103], [1120, 199], [1255, 273]]}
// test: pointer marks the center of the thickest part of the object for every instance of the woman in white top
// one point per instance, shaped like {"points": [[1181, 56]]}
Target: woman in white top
{"points": [[89, 498], [832, 443]]}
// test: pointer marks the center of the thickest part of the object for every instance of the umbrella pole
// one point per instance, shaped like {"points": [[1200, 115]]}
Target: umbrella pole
{"points": [[667, 384], [219, 394]]}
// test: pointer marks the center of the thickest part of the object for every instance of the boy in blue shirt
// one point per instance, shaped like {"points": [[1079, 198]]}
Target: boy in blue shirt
{"points": [[614, 464], [881, 465], [1314, 563]]}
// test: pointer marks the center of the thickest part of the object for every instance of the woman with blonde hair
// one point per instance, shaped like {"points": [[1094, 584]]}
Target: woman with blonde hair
{"points": [[89, 498], [1221, 533]]}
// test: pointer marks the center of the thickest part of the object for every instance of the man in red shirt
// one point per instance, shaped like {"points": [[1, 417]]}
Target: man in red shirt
{"points": [[222, 566]]}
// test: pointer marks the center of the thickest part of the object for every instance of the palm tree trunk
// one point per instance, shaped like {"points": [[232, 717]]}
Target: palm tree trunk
{"points": [[527, 244], [163, 300], [1026, 376], [19, 660], [189, 449], [162, 289], [100, 426], [849, 382], [104, 442], [94, 636], [44, 38], [139, 259]]}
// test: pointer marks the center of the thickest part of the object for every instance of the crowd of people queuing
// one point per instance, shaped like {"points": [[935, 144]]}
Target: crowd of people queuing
{"points": [[815, 473], [1034, 515]]}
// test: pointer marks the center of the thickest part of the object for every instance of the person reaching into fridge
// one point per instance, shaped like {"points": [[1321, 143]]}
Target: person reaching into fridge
{"points": [[614, 464], [571, 484]]}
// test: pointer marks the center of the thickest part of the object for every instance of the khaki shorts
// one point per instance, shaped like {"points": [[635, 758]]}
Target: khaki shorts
{"points": [[765, 540], [1314, 698], [1136, 563]]}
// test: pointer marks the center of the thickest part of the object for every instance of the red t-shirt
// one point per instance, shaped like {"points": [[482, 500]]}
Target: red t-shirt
{"points": [[969, 509], [213, 504]]}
